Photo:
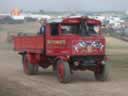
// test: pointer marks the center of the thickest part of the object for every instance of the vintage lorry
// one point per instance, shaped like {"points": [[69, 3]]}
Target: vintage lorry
{"points": [[68, 44]]}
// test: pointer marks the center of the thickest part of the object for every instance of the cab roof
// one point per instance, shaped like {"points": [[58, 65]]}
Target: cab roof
{"points": [[74, 20]]}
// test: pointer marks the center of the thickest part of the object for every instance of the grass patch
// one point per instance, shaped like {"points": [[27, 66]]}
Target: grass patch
{"points": [[1, 30], [113, 43], [117, 50], [119, 61], [25, 27], [7, 46]]}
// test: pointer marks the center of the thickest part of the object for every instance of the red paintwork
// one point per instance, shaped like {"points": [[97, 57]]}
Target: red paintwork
{"points": [[44, 62], [59, 47], [77, 20], [64, 58], [70, 41], [61, 71], [33, 58], [33, 44]]}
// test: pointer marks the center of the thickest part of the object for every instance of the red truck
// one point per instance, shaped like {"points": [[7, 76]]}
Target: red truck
{"points": [[68, 44]]}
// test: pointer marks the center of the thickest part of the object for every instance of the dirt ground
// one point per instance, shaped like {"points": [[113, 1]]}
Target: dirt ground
{"points": [[14, 82]]}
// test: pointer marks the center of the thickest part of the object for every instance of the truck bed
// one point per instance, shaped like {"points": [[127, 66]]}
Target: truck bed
{"points": [[29, 43]]}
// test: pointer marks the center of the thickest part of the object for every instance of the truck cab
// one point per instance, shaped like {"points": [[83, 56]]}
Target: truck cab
{"points": [[75, 36]]}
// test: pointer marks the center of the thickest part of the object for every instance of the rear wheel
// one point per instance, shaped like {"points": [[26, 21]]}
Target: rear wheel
{"points": [[28, 68], [103, 73], [63, 71]]}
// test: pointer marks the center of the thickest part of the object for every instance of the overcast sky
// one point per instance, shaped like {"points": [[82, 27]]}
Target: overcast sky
{"points": [[62, 5]]}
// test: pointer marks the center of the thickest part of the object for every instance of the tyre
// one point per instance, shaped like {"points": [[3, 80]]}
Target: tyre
{"points": [[28, 68], [63, 71], [103, 74]]}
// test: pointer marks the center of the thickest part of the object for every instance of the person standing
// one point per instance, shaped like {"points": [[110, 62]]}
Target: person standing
{"points": [[42, 27]]}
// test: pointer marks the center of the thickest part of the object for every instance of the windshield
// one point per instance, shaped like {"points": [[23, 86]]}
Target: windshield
{"points": [[70, 29], [93, 29], [78, 29]]}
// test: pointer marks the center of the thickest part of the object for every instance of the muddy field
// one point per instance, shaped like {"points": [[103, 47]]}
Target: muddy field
{"points": [[14, 82]]}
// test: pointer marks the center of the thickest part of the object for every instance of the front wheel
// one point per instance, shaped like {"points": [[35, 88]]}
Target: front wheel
{"points": [[28, 68], [103, 73], [63, 71]]}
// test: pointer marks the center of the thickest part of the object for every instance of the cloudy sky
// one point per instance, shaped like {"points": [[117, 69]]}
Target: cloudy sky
{"points": [[64, 5]]}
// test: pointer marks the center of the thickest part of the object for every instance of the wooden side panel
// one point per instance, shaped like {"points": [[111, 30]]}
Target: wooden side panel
{"points": [[28, 43]]}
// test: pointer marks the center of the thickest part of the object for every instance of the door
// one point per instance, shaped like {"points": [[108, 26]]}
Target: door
{"points": [[56, 44]]}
